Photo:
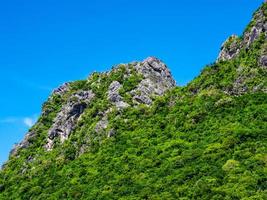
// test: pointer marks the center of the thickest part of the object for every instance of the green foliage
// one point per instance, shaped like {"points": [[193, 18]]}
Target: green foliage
{"points": [[195, 142], [232, 40], [191, 150], [130, 83]]}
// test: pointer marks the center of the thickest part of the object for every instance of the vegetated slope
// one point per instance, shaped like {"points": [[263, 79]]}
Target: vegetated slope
{"points": [[131, 134]]}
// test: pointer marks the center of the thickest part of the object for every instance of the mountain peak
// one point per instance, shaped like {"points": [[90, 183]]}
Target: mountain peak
{"points": [[121, 135], [124, 86], [152, 59], [159, 66], [256, 28]]}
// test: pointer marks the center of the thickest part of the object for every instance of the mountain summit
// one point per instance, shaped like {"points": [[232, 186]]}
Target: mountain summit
{"points": [[126, 85], [234, 44], [131, 133]]}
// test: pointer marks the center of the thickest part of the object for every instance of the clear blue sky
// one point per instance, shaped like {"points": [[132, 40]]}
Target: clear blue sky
{"points": [[44, 43]]}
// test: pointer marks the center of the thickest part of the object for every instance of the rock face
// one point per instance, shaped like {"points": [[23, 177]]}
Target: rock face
{"points": [[263, 61], [257, 29], [25, 143], [112, 120], [102, 124], [259, 25], [157, 80], [66, 120], [115, 97], [61, 89], [232, 46]]}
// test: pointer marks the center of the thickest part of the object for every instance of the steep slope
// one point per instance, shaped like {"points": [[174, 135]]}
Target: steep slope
{"points": [[126, 85], [131, 134]]}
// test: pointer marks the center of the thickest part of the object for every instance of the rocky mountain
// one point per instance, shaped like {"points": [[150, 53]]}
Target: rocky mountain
{"points": [[127, 85], [131, 133]]}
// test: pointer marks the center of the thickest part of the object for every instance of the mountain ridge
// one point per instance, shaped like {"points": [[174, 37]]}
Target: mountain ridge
{"points": [[131, 133], [156, 79]]}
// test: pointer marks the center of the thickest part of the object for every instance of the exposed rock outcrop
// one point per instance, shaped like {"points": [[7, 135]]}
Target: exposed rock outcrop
{"points": [[25, 143], [258, 26], [61, 89], [232, 46], [66, 120], [102, 124], [157, 80], [263, 61], [115, 97]]}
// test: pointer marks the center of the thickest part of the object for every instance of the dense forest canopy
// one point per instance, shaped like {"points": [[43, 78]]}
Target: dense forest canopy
{"points": [[132, 134]]}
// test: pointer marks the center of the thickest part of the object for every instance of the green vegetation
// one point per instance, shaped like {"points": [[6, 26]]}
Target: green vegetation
{"points": [[206, 140]]}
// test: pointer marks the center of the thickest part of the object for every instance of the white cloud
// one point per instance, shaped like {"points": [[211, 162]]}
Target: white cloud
{"points": [[28, 121]]}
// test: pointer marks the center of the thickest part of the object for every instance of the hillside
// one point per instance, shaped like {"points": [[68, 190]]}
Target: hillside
{"points": [[131, 133]]}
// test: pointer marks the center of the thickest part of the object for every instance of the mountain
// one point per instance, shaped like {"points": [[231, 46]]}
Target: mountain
{"points": [[131, 133]]}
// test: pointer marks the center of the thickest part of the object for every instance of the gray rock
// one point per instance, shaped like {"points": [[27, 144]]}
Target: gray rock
{"points": [[157, 71], [113, 92], [232, 46], [62, 89], [263, 61], [67, 118], [102, 124], [142, 99], [111, 133], [157, 80], [25, 143], [121, 105], [114, 95], [260, 25]]}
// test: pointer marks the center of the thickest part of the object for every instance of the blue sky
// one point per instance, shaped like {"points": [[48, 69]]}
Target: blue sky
{"points": [[45, 43]]}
